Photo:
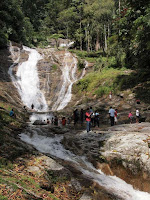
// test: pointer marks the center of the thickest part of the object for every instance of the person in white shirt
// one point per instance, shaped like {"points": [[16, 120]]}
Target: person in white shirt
{"points": [[111, 115], [137, 115]]}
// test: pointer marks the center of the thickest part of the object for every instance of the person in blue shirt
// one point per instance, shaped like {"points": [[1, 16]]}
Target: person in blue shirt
{"points": [[11, 114]]}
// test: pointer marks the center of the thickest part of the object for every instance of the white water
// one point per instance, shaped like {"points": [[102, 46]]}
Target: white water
{"points": [[66, 45], [69, 70], [26, 79], [112, 184], [27, 82]]}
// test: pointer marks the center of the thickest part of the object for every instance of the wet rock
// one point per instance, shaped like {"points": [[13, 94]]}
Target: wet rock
{"points": [[34, 170], [86, 196], [47, 186], [105, 168], [76, 184], [51, 164], [39, 122], [58, 130]]}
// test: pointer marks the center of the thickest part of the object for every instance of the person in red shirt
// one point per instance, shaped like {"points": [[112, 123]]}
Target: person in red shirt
{"points": [[115, 116], [130, 116], [63, 121], [88, 119]]}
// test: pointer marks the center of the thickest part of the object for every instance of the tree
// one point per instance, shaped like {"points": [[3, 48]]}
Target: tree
{"points": [[135, 33], [56, 37]]}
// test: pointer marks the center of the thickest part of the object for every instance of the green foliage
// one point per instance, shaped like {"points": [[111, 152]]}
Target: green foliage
{"points": [[102, 90], [3, 197], [54, 67], [120, 34], [81, 64], [54, 177], [4, 163], [135, 33], [99, 83], [56, 37], [3, 39]]}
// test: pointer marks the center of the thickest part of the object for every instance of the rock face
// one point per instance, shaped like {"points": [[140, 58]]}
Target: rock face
{"points": [[8, 92], [57, 71], [121, 150], [50, 71]]}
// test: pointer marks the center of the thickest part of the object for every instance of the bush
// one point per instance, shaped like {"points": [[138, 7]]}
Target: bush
{"points": [[3, 198], [54, 67], [3, 40], [81, 64], [102, 91]]}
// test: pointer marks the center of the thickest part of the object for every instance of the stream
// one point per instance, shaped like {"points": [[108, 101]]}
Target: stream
{"points": [[49, 143], [27, 82]]}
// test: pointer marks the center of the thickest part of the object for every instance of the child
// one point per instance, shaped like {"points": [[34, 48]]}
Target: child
{"points": [[115, 116], [130, 116]]}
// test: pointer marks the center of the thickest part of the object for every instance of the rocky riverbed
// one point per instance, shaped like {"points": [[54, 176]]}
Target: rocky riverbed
{"points": [[122, 150]]}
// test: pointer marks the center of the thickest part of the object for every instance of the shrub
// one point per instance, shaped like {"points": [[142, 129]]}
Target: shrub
{"points": [[102, 91], [81, 64], [54, 67]]}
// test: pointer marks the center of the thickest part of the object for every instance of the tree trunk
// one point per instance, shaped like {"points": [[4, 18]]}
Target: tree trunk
{"points": [[97, 45], [88, 39], [108, 31], [105, 36], [80, 35], [67, 30], [119, 14]]}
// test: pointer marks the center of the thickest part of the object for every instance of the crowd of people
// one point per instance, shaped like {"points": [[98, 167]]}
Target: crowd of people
{"points": [[91, 117]]}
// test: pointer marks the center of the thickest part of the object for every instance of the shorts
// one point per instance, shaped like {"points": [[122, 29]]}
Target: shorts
{"points": [[115, 118]]}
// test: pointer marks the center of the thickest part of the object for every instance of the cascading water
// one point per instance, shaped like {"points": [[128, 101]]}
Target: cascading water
{"points": [[52, 146], [27, 82], [68, 76]]}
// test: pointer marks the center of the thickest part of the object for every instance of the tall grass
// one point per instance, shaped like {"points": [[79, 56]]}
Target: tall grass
{"points": [[99, 83]]}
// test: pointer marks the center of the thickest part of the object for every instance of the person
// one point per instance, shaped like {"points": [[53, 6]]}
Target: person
{"points": [[52, 120], [138, 101], [92, 116], [48, 122], [63, 122], [111, 115], [137, 115], [110, 95], [25, 108], [56, 121], [75, 116], [130, 116], [44, 122], [115, 116], [32, 106], [81, 116], [88, 120], [12, 114], [68, 120], [96, 120]]}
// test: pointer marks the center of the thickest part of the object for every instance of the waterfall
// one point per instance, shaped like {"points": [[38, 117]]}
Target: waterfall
{"points": [[69, 70], [26, 80], [53, 146]]}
